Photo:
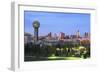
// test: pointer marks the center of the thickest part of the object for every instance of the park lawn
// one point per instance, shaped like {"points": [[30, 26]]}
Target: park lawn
{"points": [[63, 58]]}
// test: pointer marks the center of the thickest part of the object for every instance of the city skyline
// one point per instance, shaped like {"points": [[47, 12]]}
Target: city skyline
{"points": [[54, 22]]}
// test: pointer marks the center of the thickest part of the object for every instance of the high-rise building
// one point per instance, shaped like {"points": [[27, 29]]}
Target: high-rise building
{"points": [[55, 36], [27, 38], [86, 35], [49, 36], [78, 34], [61, 36]]}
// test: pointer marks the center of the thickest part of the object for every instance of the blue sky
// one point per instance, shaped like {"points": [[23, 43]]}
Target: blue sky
{"points": [[56, 22]]}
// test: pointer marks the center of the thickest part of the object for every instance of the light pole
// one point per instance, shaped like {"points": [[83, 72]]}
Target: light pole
{"points": [[36, 26]]}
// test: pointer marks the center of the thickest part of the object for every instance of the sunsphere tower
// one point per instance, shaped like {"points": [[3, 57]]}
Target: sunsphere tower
{"points": [[36, 26]]}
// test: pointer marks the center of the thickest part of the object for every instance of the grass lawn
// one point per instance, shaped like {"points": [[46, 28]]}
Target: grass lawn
{"points": [[33, 58], [64, 58]]}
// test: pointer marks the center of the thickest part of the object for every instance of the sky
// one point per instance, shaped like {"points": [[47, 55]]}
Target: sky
{"points": [[56, 22]]}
